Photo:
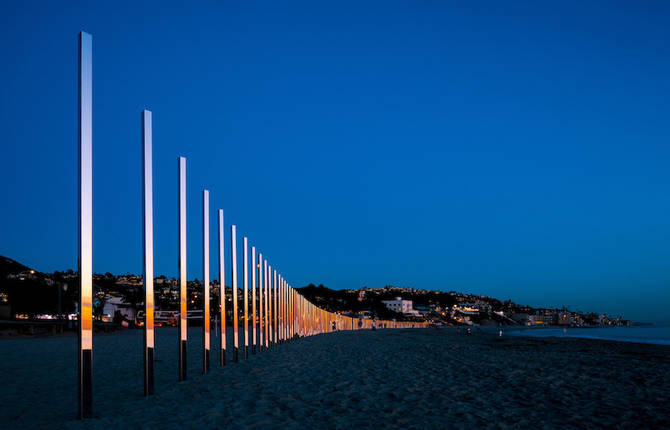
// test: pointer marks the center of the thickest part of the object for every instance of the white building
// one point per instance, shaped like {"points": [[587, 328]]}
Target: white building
{"points": [[400, 305]]}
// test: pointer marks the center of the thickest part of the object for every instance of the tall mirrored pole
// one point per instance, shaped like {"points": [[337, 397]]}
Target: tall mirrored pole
{"points": [[85, 225], [276, 331], [278, 314], [293, 320], [222, 294], [245, 274], [280, 311], [267, 320], [183, 310], [261, 321], [270, 312], [148, 244], [253, 299], [233, 267], [205, 282], [284, 326]]}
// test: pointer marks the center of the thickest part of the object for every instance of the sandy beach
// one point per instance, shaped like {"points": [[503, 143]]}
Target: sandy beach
{"points": [[422, 378]]}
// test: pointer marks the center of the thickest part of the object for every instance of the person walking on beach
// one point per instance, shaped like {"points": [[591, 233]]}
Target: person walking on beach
{"points": [[374, 324]]}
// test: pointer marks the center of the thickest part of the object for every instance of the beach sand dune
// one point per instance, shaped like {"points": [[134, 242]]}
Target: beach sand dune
{"points": [[422, 378]]}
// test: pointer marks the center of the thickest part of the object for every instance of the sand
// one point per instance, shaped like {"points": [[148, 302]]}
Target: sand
{"points": [[422, 378]]}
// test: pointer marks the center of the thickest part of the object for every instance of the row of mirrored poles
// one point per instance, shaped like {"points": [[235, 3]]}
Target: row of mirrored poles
{"points": [[278, 311]]}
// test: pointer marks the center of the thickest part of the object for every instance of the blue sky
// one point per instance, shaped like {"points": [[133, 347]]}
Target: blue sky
{"points": [[513, 149]]}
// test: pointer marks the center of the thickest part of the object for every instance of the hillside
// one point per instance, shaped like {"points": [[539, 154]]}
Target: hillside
{"points": [[7, 266], [31, 293]]}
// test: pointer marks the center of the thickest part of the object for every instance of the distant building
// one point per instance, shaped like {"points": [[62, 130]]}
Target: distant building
{"points": [[361, 295], [401, 306], [423, 310], [565, 318], [542, 319], [114, 304], [469, 308]]}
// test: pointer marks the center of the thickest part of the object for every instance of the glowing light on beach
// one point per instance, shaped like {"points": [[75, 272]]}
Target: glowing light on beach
{"points": [[281, 312]]}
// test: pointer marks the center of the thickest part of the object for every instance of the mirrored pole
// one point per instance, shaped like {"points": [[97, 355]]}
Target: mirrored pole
{"points": [[205, 282], [274, 301], [261, 321], [85, 316], [148, 244], [291, 311], [271, 337], [294, 327], [267, 319], [280, 309], [245, 274], [285, 307], [233, 267], [279, 315], [222, 294], [253, 299], [183, 309], [282, 312]]}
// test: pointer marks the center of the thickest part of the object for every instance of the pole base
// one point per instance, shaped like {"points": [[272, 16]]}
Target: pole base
{"points": [[205, 361], [85, 384], [149, 372], [182, 360]]}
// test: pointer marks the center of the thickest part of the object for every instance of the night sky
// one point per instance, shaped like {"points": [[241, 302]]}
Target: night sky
{"points": [[510, 149]]}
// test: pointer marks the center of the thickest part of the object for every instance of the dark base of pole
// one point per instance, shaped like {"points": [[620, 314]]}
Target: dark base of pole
{"points": [[235, 359], [253, 349], [149, 372], [205, 361], [246, 351], [182, 360], [222, 357], [85, 384]]}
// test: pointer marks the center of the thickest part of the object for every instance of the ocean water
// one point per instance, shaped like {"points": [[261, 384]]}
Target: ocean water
{"points": [[659, 335]]}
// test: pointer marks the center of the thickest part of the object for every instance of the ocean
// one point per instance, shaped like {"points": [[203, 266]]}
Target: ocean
{"points": [[659, 335]]}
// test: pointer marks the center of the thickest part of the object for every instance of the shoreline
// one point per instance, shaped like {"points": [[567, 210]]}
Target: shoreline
{"points": [[555, 332], [650, 335]]}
